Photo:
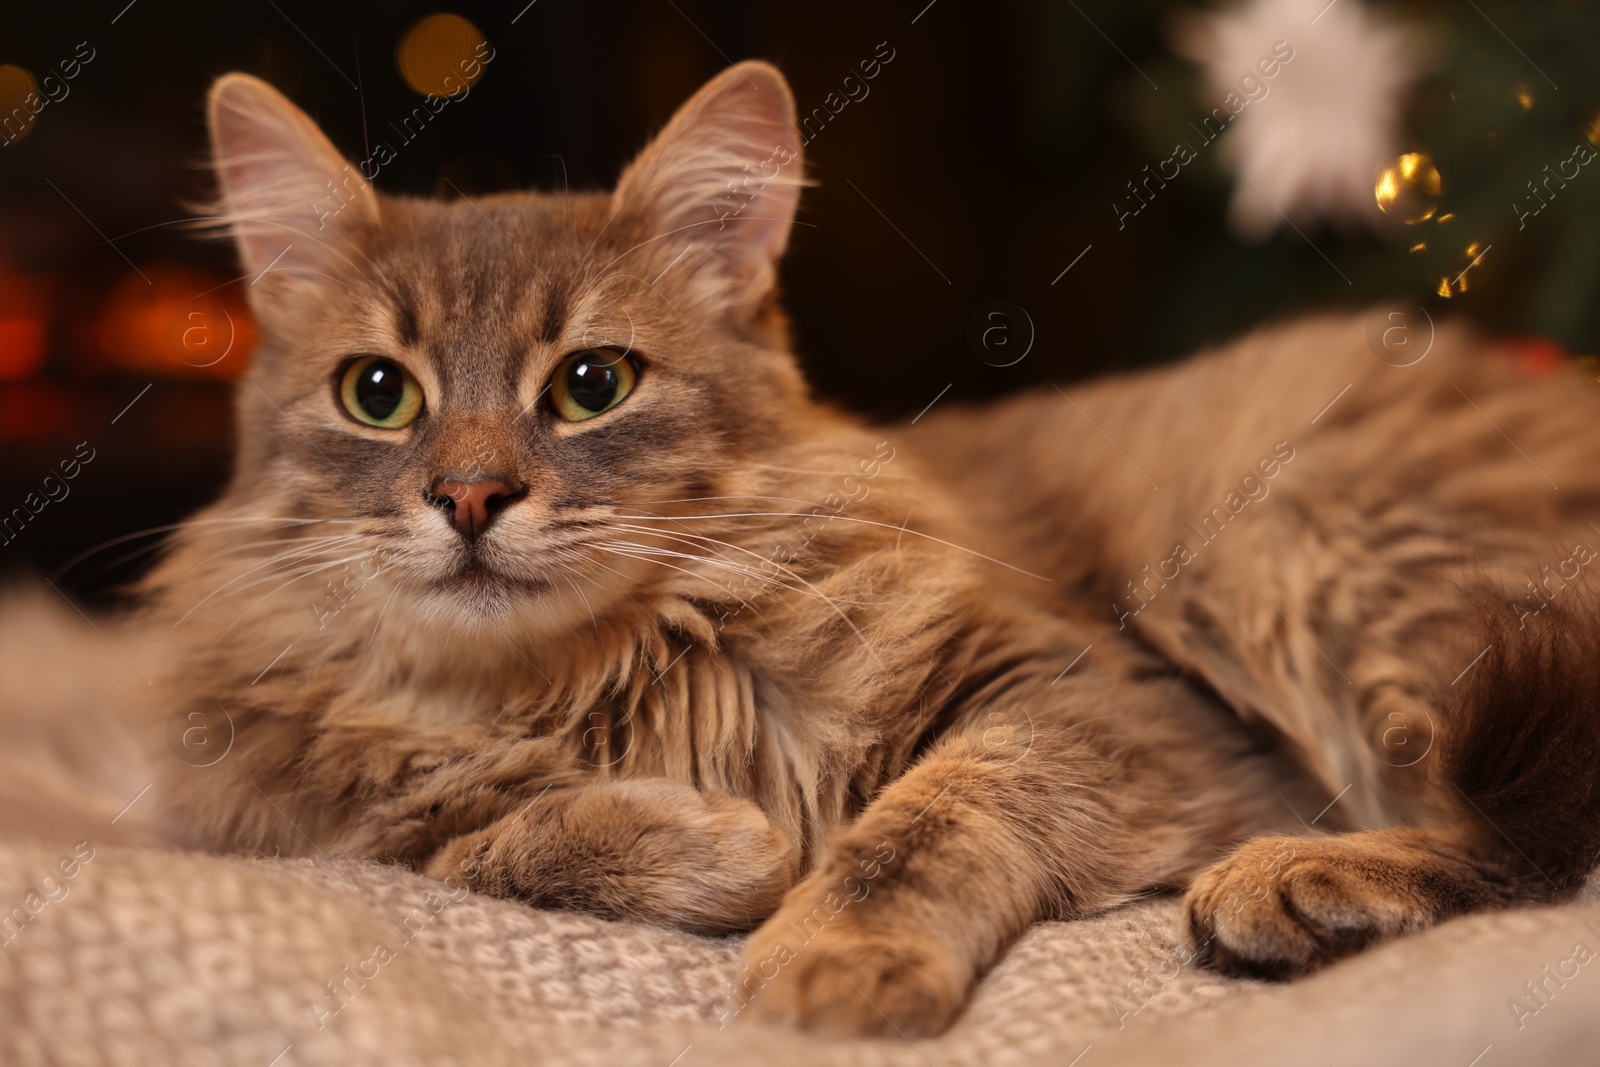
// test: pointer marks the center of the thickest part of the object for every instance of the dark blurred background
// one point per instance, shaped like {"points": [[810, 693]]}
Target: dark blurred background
{"points": [[981, 162]]}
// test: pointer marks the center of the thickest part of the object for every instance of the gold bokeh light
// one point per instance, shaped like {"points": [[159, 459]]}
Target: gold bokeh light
{"points": [[16, 116], [441, 55]]}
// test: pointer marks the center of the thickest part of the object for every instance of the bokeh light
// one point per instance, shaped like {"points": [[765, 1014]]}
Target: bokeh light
{"points": [[16, 117], [23, 308], [440, 55], [166, 328]]}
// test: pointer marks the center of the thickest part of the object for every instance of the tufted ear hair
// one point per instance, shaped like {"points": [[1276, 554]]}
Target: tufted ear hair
{"points": [[723, 179], [290, 199]]}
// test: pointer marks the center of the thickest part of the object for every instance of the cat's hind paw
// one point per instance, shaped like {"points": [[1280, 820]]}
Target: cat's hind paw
{"points": [[1281, 906]]}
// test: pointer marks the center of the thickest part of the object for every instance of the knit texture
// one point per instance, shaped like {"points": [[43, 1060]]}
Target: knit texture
{"points": [[150, 957]]}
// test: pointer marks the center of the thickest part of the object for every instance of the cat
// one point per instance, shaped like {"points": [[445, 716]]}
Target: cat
{"points": [[542, 572]]}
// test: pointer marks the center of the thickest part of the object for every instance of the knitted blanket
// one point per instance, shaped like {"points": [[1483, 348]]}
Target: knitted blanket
{"points": [[130, 956]]}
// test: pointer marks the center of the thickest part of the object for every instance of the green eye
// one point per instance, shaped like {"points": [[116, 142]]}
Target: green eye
{"points": [[590, 382], [381, 393]]}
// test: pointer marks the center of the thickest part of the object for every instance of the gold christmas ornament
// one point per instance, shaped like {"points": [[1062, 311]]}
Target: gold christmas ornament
{"points": [[1409, 188]]}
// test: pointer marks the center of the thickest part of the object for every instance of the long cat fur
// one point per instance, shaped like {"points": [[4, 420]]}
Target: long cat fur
{"points": [[885, 694]]}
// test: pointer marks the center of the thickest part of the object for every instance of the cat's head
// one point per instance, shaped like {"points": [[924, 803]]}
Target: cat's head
{"points": [[482, 389]]}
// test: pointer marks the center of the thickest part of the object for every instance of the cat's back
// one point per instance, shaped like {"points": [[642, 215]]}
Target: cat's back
{"points": [[1326, 409]]}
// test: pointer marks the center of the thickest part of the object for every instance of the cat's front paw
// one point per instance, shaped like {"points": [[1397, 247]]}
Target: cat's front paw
{"points": [[817, 965], [648, 850], [1282, 906]]}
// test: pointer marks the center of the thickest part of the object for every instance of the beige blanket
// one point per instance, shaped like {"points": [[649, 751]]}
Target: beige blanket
{"points": [[116, 955]]}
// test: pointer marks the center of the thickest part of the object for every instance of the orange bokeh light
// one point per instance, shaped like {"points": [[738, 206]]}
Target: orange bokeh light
{"points": [[174, 327], [17, 115], [21, 349], [438, 56], [24, 306]]}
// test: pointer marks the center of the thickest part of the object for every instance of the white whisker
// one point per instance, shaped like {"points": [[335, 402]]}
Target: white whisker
{"points": [[277, 560], [297, 578], [684, 555], [189, 524], [842, 518]]}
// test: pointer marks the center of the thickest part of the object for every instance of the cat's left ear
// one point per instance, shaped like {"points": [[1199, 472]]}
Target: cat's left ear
{"points": [[722, 181]]}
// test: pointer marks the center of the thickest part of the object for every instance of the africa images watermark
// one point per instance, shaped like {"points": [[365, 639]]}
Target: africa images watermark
{"points": [[1582, 555], [53, 888], [53, 489], [854, 90], [54, 89], [352, 184], [1251, 489], [853, 888], [607, 740], [1252, 84], [853, 490], [1581, 155], [1537, 992], [352, 979], [730, 205]]}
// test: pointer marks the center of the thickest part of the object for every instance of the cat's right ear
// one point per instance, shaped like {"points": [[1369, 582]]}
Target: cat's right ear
{"points": [[290, 199]]}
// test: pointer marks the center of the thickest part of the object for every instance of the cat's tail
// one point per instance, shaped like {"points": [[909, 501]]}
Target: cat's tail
{"points": [[71, 766], [1521, 743]]}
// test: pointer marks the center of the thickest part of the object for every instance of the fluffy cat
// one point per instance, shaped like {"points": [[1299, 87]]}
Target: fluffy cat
{"points": [[541, 571]]}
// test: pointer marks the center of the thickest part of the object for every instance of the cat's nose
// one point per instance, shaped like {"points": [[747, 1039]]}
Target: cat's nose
{"points": [[471, 505]]}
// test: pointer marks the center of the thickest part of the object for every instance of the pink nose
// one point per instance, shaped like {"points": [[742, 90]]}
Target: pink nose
{"points": [[472, 505]]}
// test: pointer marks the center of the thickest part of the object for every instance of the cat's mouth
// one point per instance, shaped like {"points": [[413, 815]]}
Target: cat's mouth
{"points": [[476, 579]]}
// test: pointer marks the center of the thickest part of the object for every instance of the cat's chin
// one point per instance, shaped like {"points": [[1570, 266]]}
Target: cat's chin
{"points": [[477, 591]]}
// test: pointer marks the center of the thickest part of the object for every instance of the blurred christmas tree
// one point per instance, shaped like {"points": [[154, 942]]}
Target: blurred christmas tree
{"points": [[1443, 151]]}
